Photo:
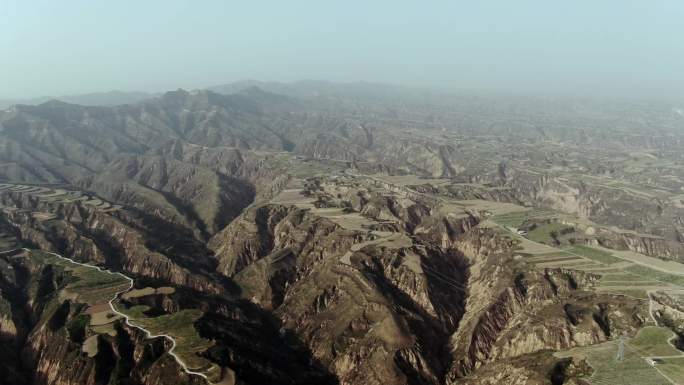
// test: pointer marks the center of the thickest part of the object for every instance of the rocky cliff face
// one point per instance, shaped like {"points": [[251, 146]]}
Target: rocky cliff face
{"points": [[668, 309], [459, 291], [182, 193], [646, 244], [548, 311], [513, 310], [290, 262], [129, 241]]}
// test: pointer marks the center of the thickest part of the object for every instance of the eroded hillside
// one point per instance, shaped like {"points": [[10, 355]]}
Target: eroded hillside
{"points": [[341, 238]]}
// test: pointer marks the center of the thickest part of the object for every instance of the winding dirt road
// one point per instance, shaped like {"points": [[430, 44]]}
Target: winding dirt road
{"points": [[126, 318]]}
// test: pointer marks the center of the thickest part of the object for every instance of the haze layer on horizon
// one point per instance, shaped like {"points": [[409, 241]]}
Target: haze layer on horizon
{"points": [[604, 48]]}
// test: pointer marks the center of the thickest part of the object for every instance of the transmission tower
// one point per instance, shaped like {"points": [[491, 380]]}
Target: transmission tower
{"points": [[621, 349]]}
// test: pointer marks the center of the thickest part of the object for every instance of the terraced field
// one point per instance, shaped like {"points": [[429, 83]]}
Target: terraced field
{"points": [[624, 273], [617, 275], [633, 369], [294, 195], [649, 358], [514, 219], [53, 194], [410, 180], [88, 284]]}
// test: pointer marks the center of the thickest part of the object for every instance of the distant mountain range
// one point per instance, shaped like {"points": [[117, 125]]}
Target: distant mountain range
{"points": [[353, 95], [111, 98], [305, 89]]}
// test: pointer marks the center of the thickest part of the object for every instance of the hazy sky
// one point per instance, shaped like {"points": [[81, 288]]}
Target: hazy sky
{"points": [[581, 47]]}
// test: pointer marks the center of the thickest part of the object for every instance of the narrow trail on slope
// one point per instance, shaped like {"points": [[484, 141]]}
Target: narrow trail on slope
{"points": [[126, 318]]}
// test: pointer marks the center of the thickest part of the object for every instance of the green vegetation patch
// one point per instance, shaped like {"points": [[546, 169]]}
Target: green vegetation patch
{"points": [[656, 274], [673, 368], [89, 278], [180, 326], [569, 259], [514, 219], [134, 312], [631, 370], [653, 341], [594, 254], [619, 277], [640, 294], [628, 283], [604, 270], [545, 233], [92, 285]]}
